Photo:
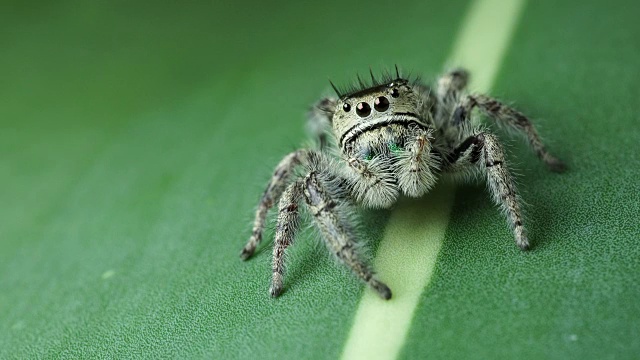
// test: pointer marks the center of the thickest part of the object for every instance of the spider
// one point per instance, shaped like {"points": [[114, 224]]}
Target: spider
{"points": [[380, 140]]}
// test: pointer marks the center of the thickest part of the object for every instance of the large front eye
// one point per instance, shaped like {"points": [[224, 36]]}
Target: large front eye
{"points": [[381, 104], [363, 109]]}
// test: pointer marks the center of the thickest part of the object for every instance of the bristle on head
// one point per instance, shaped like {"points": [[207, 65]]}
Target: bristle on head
{"points": [[360, 84], [335, 89]]}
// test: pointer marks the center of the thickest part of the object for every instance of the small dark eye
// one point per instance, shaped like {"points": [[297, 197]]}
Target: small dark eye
{"points": [[381, 104], [395, 93], [363, 109], [346, 107]]}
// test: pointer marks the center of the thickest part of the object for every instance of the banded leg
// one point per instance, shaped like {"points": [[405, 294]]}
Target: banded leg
{"points": [[271, 195], [319, 120], [512, 119], [285, 233], [484, 151], [337, 233]]}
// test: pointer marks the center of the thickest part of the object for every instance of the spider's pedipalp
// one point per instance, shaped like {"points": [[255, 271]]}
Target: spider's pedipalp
{"points": [[416, 164], [372, 182]]}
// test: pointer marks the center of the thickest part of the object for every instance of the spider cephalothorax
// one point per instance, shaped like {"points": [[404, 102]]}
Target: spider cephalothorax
{"points": [[381, 140], [385, 131]]}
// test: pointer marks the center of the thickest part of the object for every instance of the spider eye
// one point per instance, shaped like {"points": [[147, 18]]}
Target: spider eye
{"points": [[363, 109], [346, 107], [381, 104], [395, 93]]}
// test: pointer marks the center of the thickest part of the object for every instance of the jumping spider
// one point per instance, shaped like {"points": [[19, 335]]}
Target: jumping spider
{"points": [[383, 139]]}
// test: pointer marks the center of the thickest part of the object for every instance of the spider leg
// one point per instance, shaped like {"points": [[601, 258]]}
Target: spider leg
{"points": [[452, 83], [449, 90], [319, 120], [287, 225], [510, 118], [483, 150], [337, 233], [279, 181]]}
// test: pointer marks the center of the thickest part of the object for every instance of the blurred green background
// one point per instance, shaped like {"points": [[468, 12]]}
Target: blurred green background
{"points": [[136, 138]]}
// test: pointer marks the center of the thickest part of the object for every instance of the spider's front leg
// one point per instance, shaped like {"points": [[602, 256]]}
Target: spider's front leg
{"points": [[279, 181], [484, 151], [286, 228], [510, 118], [333, 225], [338, 234]]}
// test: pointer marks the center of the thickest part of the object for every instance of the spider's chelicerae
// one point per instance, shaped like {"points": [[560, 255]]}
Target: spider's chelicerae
{"points": [[378, 141]]}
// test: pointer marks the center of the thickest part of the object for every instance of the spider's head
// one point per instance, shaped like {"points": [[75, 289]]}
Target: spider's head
{"points": [[359, 111]]}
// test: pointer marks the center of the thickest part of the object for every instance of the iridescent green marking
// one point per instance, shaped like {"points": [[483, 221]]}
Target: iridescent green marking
{"points": [[395, 148]]}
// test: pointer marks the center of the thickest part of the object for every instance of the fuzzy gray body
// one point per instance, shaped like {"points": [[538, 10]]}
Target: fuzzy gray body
{"points": [[382, 140]]}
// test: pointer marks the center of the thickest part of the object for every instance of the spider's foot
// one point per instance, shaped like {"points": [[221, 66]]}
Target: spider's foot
{"points": [[382, 289], [276, 285], [523, 243], [246, 252], [251, 245], [275, 291], [555, 165]]}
